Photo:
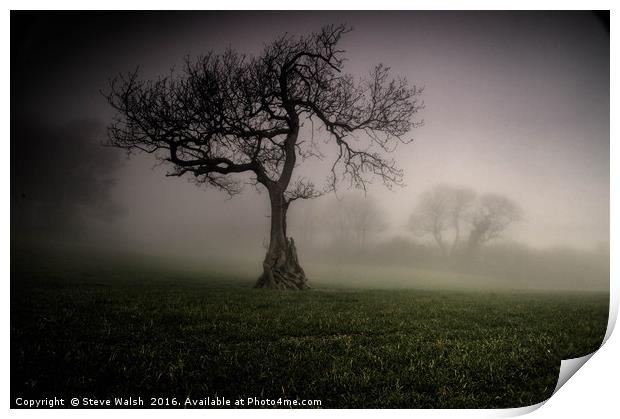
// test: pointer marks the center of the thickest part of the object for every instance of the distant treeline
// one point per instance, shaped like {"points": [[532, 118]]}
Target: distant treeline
{"points": [[452, 228], [519, 265]]}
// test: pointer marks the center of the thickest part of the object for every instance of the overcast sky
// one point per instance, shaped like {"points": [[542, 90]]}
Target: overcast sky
{"points": [[516, 103]]}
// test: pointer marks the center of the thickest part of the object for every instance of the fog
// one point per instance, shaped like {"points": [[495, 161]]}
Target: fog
{"points": [[516, 104]]}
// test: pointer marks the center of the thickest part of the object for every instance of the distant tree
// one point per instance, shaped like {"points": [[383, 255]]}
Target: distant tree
{"points": [[492, 217], [441, 213], [461, 204], [228, 114], [358, 218]]}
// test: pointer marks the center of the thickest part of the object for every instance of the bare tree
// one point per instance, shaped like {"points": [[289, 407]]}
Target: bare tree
{"points": [[229, 114], [493, 215], [357, 218], [462, 202], [441, 213]]}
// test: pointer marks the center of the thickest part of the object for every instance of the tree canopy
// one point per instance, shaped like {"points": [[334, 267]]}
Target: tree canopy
{"points": [[230, 113]]}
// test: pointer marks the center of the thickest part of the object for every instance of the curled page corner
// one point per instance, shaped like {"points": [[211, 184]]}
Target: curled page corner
{"points": [[568, 368], [517, 411]]}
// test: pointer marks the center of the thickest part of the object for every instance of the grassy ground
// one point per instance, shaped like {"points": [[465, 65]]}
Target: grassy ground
{"points": [[134, 334]]}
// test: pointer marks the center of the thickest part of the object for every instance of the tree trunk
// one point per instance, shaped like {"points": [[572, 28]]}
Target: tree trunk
{"points": [[281, 269]]}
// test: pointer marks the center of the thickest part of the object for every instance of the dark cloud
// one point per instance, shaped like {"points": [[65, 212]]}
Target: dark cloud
{"points": [[61, 177]]}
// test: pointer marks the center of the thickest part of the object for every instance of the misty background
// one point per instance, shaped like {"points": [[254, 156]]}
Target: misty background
{"points": [[517, 104]]}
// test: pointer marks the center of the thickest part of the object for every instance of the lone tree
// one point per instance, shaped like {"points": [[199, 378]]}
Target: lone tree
{"points": [[227, 114]]}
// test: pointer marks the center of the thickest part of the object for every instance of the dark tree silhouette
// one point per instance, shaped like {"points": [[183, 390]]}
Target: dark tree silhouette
{"points": [[227, 114]]}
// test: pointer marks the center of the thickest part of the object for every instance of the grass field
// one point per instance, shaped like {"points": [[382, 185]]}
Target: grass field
{"points": [[139, 334]]}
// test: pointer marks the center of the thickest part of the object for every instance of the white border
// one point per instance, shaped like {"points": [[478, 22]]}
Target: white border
{"points": [[593, 392]]}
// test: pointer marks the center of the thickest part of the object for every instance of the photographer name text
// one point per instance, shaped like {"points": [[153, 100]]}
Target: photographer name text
{"points": [[188, 402]]}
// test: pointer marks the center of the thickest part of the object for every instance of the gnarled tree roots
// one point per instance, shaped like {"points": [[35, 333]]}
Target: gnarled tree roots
{"points": [[281, 269]]}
